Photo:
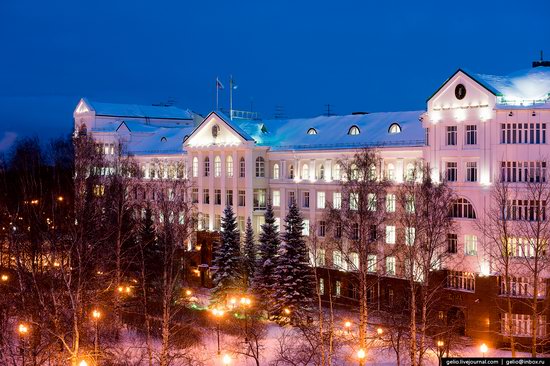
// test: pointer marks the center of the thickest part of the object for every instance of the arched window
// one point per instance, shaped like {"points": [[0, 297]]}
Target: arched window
{"points": [[291, 171], [372, 172], [354, 130], [163, 139], [312, 131], [391, 171], [195, 167], [322, 172], [337, 172], [305, 171], [217, 166], [229, 166], [207, 166], [462, 208], [394, 128], [354, 172], [260, 167], [242, 168], [275, 171], [409, 174]]}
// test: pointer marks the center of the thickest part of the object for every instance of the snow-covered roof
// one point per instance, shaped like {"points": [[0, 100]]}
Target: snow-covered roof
{"points": [[528, 85], [161, 141], [139, 111], [333, 132]]}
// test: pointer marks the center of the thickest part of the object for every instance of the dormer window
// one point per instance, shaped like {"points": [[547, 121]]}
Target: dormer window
{"points": [[354, 130], [394, 128], [163, 139], [263, 129], [312, 131]]}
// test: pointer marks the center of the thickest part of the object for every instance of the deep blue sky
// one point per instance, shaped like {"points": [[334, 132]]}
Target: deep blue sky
{"points": [[356, 55]]}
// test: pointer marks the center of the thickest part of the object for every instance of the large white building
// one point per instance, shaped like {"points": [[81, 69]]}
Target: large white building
{"points": [[476, 130]]}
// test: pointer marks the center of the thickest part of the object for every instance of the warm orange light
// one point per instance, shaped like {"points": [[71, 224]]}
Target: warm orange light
{"points": [[23, 329], [120, 289], [347, 324], [361, 354], [379, 331], [4, 277], [286, 310], [226, 360], [83, 363], [96, 314], [440, 343], [128, 289], [483, 348], [60, 198], [188, 292], [217, 312], [245, 301], [233, 301]]}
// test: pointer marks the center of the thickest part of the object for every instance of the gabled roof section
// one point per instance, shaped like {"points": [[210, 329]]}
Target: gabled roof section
{"points": [[137, 111], [230, 124], [486, 86]]}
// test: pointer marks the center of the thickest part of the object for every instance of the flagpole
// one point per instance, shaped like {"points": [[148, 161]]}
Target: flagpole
{"points": [[217, 95], [231, 97]]}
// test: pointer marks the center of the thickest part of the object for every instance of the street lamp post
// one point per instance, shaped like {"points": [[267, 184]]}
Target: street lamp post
{"points": [[96, 315], [361, 356], [23, 330], [245, 302], [347, 324], [218, 314], [483, 348]]}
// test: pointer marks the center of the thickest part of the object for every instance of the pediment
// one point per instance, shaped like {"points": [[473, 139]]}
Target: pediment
{"points": [[215, 129]]}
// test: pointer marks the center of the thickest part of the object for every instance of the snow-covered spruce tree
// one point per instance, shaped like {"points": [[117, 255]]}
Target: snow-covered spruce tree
{"points": [[265, 266], [228, 278], [294, 283], [249, 254]]}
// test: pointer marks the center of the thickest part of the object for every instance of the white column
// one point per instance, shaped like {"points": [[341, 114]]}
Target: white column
{"points": [[223, 178], [211, 190]]}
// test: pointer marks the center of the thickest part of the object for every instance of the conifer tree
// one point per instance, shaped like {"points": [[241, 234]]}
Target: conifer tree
{"points": [[267, 252], [229, 275], [249, 254], [294, 282]]}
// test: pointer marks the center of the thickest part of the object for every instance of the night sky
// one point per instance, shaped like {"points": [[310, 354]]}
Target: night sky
{"points": [[355, 55]]}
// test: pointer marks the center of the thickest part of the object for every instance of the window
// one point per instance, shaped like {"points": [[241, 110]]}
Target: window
{"points": [[355, 231], [321, 172], [451, 135], [206, 196], [371, 263], [394, 128], [410, 233], [451, 171], [354, 174], [320, 257], [337, 259], [471, 171], [312, 131], [427, 136], [206, 166], [390, 202], [390, 234], [305, 230], [338, 289], [242, 168], [461, 280], [321, 200], [291, 198], [217, 222], [277, 224], [322, 228], [452, 243], [409, 203], [260, 167], [291, 171], [520, 325], [229, 166], [354, 201], [354, 130], [470, 244], [229, 197], [410, 172], [526, 210], [275, 171], [521, 286], [391, 171], [217, 196], [195, 195], [242, 198], [338, 230], [276, 198], [305, 199], [259, 199], [523, 133], [371, 202], [354, 261], [305, 171], [471, 135], [523, 171], [519, 247], [195, 167], [99, 190], [321, 286], [217, 166], [390, 266], [462, 208], [337, 172], [337, 200]]}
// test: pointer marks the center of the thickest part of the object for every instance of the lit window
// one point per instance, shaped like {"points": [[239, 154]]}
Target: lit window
{"points": [[354, 261], [276, 198], [391, 171], [305, 171], [390, 203], [321, 200], [470, 244], [394, 128], [337, 200], [337, 259], [337, 172], [229, 166], [260, 167], [354, 130], [305, 230], [390, 266], [338, 289], [195, 167], [410, 233], [312, 131], [276, 171], [390, 234], [217, 166], [371, 263], [353, 201]]}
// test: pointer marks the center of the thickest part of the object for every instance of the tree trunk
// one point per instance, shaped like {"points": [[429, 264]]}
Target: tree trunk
{"points": [[412, 349]]}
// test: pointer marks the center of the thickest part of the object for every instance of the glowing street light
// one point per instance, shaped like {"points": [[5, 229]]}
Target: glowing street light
{"points": [[188, 292], [96, 315], [83, 363], [440, 344], [379, 331], [4, 277], [483, 349], [347, 324], [218, 314], [226, 360], [245, 302], [23, 329], [287, 311], [361, 356]]}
